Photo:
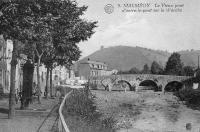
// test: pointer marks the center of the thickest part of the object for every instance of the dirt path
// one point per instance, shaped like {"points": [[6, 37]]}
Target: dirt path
{"points": [[147, 112]]}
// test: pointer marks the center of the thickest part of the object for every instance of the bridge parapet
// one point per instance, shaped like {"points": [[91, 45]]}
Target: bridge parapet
{"points": [[136, 79]]}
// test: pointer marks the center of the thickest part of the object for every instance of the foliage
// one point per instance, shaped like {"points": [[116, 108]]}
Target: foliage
{"points": [[123, 72], [41, 25], [156, 68], [82, 106], [134, 70], [174, 65], [190, 96], [146, 69], [188, 71], [197, 73], [69, 29], [14, 17]]}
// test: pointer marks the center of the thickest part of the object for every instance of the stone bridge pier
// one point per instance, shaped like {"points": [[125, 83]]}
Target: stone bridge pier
{"points": [[135, 81]]}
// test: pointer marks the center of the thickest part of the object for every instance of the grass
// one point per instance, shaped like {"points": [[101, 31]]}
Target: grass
{"points": [[81, 114], [131, 110]]}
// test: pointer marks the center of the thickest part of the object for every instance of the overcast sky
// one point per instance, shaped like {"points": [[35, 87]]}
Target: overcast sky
{"points": [[164, 31]]}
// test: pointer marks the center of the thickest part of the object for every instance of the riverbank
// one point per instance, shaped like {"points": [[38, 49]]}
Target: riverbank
{"points": [[81, 114], [147, 111]]}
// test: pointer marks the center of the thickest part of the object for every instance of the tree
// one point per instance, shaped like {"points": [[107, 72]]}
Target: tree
{"points": [[54, 58], [53, 27], [13, 20], [67, 31], [156, 68], [174, 65], [134, 70], [188, 71], [48, 60], [27, 53], [28, 70], [146, 69], [42, 24]]}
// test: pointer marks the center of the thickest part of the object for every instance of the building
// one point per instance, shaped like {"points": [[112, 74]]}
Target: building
{"points": [[6, 48], [59, 74], [93, 69], [3, 66]]}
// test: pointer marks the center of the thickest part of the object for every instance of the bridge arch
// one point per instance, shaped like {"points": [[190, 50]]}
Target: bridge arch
{"points": [[173, 86], [149, 84], [126, 82]]}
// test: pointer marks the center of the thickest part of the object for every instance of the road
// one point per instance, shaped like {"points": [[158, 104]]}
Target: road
{"points": [[30, 121], [147, 112]]}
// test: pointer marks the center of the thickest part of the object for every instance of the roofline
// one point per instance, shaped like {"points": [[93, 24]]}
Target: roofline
{"points": [[94, 62]]}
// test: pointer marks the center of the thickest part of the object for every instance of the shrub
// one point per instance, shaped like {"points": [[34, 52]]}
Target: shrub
{"points": [[190, 96], [81, 104], [62, 89], [109, 122]]}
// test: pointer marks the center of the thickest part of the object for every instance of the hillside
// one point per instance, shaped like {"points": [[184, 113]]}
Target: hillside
{"points": [[190, 57], [126, 57]]}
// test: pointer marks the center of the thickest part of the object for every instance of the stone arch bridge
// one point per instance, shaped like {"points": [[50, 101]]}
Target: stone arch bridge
{"points": [[135, 80]]}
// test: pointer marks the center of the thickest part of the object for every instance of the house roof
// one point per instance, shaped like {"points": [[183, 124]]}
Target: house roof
{"points": [[95, 62]]}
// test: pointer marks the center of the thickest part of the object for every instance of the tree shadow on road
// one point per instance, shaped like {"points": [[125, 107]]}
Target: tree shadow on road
{"points": [[4, 110], [3, 113]]}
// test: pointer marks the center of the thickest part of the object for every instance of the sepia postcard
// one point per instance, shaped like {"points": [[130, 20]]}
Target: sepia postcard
{"points": [[99, 66]]}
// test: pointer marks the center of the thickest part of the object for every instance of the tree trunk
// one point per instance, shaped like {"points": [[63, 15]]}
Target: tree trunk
{"points": [[47, 83], [38, 81], [51, 84], [11, 112], [28, 70]]}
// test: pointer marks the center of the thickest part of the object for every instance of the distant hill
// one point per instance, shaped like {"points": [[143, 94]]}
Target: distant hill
{"points": [[126, 57], [190, 57]]}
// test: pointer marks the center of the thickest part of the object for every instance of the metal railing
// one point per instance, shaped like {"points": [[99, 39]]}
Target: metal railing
{"points": [[62, 126]]}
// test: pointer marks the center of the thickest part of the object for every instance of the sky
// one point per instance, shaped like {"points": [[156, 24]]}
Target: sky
{"points": [[156, 30]]}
